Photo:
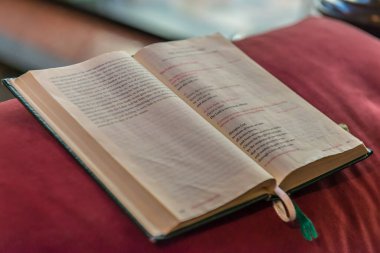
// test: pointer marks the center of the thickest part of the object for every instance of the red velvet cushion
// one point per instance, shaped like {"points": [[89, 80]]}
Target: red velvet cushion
{"points": [[49, 204]]}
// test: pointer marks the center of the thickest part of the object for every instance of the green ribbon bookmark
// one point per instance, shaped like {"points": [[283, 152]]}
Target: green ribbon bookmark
{"points": [[308, 230], [288, 211]]}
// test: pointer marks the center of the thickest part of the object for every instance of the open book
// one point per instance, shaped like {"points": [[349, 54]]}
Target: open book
{"points": [[185, 131]]}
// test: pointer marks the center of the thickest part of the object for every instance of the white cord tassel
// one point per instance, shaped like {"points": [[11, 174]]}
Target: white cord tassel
{"points": [[284, 206]]}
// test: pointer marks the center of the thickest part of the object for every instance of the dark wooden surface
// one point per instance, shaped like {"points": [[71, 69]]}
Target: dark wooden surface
{"points": [[41, 34]]}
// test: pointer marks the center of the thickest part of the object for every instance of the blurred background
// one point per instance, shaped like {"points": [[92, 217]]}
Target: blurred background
{"points": [[37, 34]]}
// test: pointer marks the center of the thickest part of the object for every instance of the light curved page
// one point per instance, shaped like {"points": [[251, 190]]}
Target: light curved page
{"points": [[173, 152], [268, 121]]}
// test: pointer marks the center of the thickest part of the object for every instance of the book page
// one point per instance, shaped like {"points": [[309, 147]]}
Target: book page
{"points": [[268, 121], [173, 152]]}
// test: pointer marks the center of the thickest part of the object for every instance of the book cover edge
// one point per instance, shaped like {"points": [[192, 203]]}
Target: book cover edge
{"points": [[181, 231], [36, 115], [10, 87]]}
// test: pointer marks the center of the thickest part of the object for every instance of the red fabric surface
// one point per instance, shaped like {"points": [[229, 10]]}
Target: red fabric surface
{"points": [[50, 204]]}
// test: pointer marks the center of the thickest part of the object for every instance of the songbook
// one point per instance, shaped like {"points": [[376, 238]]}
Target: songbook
{"points": [[184, 132]]}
